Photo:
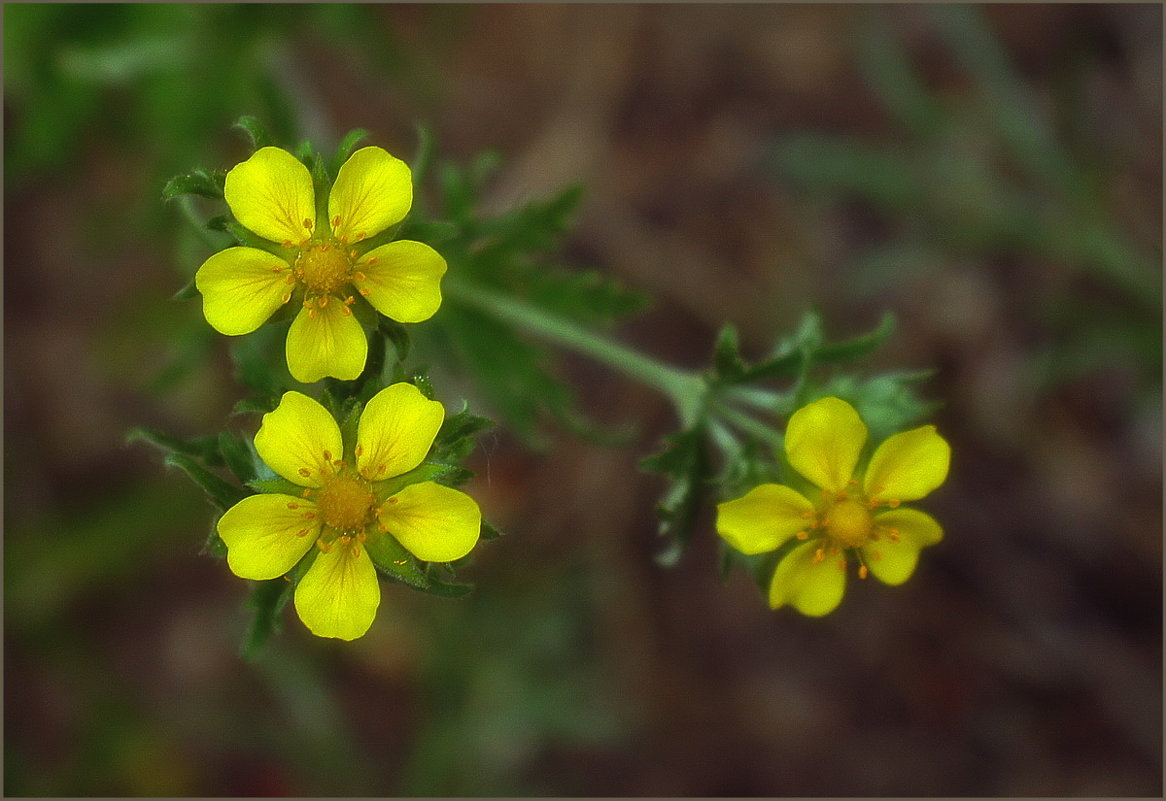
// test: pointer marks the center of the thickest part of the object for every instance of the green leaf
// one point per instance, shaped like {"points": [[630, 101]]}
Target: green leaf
{"points": [[490, 531], [858, 347], [684, 461], [221, 493], [255, 131], [255, 405], [397, 334], [267, 600], [455, 439], [196, 182], [214, 545]]}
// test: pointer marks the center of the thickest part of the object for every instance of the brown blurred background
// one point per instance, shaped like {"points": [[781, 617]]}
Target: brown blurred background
{"points": [[991, 174]]}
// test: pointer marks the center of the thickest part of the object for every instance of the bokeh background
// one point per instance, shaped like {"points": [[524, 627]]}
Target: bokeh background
{"points": [[992, 174]]}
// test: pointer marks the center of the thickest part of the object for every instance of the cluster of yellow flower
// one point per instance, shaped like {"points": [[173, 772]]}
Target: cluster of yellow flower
{"points": [[350, 513], [348, 505]]}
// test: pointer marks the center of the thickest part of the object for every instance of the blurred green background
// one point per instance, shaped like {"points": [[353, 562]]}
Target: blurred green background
{"points": [[992, 174]]}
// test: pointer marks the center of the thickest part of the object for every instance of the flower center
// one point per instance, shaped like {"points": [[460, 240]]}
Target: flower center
{"points": [[323, 268], [849, 523], [346, 503]]}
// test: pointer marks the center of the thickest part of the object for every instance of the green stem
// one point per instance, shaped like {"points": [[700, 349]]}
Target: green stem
{"points": [[749, 425], [686, 390]]}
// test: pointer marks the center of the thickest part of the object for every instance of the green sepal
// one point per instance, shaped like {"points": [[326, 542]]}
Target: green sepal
{"points": [[196, 182], [455, 439], [397, 334], [214, 545], [187, 292], [448, 474], [860, 346], [346, 146], [267, 600], [727, 362], [238, 456], [489, 531], [255, 131], [276, 485], [221, 493], [423, 157], [392, 560], [255, 405]]}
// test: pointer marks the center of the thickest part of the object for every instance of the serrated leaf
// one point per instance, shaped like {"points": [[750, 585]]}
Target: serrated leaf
{"points": [[858, 347], [214, 545], [223, 494], [196, 182], [255, 130], [267, 600], [683, 462]]}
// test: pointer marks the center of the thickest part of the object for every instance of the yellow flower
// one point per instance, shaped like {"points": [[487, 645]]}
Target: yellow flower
{"points": [[348, 507], [322, 264], [859, 515]]}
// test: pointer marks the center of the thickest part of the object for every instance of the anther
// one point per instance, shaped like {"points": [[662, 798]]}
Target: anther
{"points": [[291, 279], [277, 270], [361, 536], [365, 291], [359, 450], [338, 463], [345, 539], [345, 312], [893, 503], [348, 301], [370, 262], [311, 314], [336, 221], [361, 235], [305, 472], [293, 505], [287, 243], [382, 468], [303, 532], [307, 493], [803, 535], [356, 550], [806, 515], [307, 304], [286, 297], [323, 546], [393, 499], [862, 571], [359, 276], [322, 301], [842, 564], [352, 254], [309, 515], [819, 555], [307, 223]]}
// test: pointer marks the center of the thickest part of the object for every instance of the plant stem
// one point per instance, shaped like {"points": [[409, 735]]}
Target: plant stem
{"points": [[686, 390]]}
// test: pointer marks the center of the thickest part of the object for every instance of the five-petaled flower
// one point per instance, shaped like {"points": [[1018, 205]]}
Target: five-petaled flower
{"points": [[850, 515], [322, 265], [347, 507]]}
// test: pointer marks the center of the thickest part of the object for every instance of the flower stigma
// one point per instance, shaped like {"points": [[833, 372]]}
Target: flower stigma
{"points": [[346, 503], [323, 268]]}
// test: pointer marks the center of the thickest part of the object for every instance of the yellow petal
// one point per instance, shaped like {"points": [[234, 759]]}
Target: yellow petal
{"points": [[908, 466], [299, 437], [271, 194], [894, 562], [373, 190], [263, 535], [241, 288], [396, 430], [823, 441], [326, 342], [434, 523], [813, 588], [764, 518], [404, 280], [339, 595]]}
